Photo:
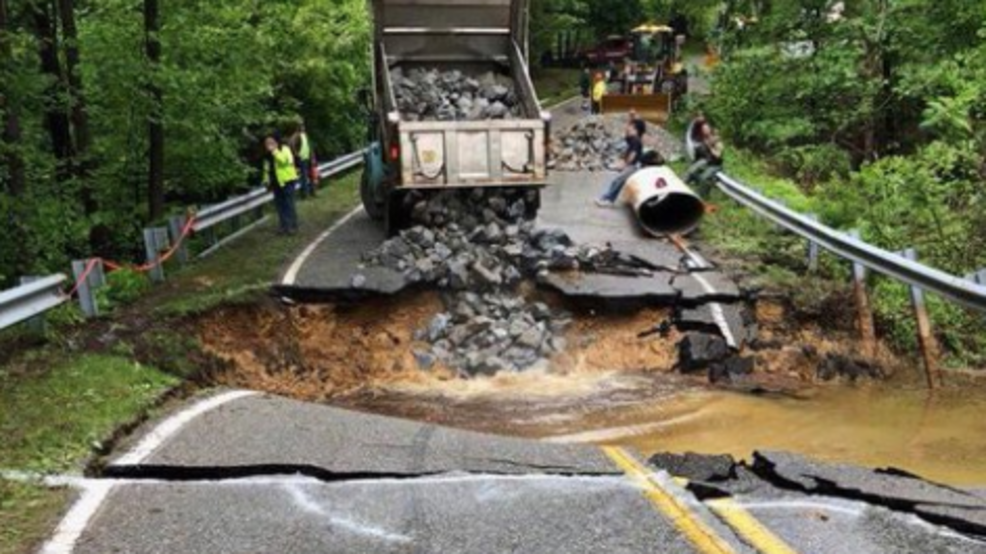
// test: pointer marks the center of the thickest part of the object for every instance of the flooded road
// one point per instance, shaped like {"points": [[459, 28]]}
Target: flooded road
{"points": [[940, 437]]}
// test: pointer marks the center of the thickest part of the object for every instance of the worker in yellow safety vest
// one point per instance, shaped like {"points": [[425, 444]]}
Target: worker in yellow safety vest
{"points": [[303, 151], [280, 176], [598, 91]]}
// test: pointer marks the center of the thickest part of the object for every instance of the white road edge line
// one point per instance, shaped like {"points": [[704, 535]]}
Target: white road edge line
{"points": [[173, 424], [95, 492], [292, 273], [717, 312], [76, 520]]}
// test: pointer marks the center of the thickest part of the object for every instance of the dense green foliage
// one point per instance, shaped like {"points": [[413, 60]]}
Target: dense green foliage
{"points": [[230, 71], [593, 20], [879, 117]]}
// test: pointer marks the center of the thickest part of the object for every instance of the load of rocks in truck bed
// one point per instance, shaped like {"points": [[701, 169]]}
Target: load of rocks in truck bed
{"points": [[482, 334], [597, 143], [433, 95]]}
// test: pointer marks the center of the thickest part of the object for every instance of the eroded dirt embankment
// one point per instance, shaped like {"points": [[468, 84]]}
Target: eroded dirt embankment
{"points": [[322, 352], [363, 356]]}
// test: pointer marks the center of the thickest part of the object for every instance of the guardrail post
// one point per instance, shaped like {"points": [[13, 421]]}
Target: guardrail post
{"points": [[37, 323], [926, 340], [86, 288], [155, 241], [864, 313], [812, 250], [175, 226], [83, 288]]}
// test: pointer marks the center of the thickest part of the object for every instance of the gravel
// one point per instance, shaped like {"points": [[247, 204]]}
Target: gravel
{"points": [[596, 143], [433, 95], [482, 334], [478, 245]]}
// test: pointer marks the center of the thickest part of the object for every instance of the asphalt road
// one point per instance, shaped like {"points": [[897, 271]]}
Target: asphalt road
{"points": [[242, 472]]}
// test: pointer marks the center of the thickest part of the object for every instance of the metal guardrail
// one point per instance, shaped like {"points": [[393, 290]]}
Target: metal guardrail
{"points": [[31, 299], [957, 289], [211, 216], [38, 296], [340, 164], [214, 215]]}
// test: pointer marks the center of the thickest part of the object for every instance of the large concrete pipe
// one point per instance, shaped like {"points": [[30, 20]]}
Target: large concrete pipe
{"points": [[662, 202]]}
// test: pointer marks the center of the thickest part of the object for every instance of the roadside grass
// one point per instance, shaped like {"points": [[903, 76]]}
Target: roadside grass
{"points": [[53, 419], [62, 394], [246, 268], [27, 514], [555, 84]]}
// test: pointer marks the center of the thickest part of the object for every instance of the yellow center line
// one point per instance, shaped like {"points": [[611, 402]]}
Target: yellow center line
{"points": [[752, 531], [703, 537]]}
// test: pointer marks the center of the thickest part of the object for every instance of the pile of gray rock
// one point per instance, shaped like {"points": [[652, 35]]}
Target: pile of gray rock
{"points": [[478, 240], [478, 245], [589, 145], [430, 95], [597, 143], [482, 334]]}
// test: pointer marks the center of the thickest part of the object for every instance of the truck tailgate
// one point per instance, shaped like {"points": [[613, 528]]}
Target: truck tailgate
{"points": [[472, 153]]}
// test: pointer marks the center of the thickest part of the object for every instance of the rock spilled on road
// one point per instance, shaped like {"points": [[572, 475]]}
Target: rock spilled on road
{"points": [[596, 143], [478, 246]]}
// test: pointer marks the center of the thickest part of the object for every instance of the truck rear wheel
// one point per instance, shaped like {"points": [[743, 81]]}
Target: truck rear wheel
{"points": [[374, 207]]}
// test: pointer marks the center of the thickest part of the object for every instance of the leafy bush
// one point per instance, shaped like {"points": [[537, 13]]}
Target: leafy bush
{"points": [[125, 286]]}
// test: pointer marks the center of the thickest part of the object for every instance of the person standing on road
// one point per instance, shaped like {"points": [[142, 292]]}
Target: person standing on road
{"points": [[585, 86], [638, 123], [280, 176], [598, 91], [631, 163], [708, 157], [303, 150]]}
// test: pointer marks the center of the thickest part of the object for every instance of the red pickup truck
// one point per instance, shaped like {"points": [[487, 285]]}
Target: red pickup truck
{"points": [[614, 49]]}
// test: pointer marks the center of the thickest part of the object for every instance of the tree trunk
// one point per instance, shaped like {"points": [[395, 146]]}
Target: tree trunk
{"points": [[155, 177], [16, 182], [80, 117], [82, 166], [56, 118]]}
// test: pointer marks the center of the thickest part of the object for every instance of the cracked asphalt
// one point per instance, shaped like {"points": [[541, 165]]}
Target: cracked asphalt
{"points": [[267, 474]]}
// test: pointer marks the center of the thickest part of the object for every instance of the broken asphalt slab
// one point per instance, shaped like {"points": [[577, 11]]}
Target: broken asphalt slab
{"points": [[705, 318], [780, 474], [265, 434], [577, 285]]}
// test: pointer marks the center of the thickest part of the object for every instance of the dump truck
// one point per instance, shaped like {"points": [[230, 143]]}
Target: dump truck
{"points": [[411, 157]]}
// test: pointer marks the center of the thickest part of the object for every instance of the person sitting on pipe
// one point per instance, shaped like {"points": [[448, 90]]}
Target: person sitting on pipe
{"points": [[633, 159], [708, 156]]}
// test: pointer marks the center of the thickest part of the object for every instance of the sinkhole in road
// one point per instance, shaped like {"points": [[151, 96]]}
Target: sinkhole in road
{"points": [[608, 385], [322, 352]]}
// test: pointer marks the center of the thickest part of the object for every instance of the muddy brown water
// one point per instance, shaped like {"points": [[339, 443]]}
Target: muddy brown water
{"points": [[941, 437]]}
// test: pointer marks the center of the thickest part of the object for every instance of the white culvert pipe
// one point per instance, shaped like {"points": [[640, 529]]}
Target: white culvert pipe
{"points": [[662, 202]]}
